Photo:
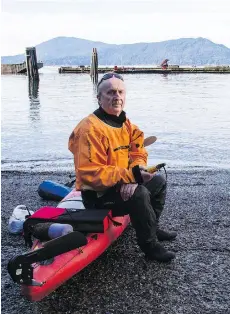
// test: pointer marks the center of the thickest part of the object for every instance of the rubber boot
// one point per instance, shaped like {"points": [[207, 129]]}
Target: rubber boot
{"points": [[155, 251], [163, 235]]}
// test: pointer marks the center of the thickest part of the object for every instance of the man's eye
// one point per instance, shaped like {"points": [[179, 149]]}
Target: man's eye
{"points": [[114, 92]]}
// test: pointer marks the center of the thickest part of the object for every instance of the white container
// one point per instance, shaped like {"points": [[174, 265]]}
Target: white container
{"points": [[15, 225]]}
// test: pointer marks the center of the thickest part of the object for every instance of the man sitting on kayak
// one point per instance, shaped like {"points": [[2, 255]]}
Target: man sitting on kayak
{"points": [[110, 162]]}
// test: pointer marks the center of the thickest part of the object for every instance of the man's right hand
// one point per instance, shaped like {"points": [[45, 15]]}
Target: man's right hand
{"points": [[127, 190]]}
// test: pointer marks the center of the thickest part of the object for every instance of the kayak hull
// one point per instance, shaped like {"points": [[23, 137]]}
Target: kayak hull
{"points": [[47, 278]]}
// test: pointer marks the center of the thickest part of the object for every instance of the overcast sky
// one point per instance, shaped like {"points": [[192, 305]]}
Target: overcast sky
{"points": [[30, 22]]}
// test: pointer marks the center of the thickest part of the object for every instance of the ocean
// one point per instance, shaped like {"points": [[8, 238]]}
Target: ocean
{"points": [[189, 114]]}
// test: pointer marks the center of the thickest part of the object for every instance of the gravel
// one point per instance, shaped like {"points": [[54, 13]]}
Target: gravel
{"points": [[121, 281]]}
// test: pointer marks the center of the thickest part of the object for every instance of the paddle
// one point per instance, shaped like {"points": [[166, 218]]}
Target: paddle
{"points": [[153, 169], [19, 267], [147, 142], [57, 246], [61, 245]]}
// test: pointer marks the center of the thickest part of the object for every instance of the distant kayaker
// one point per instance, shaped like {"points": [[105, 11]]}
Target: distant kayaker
{"points": [[110, 161], [164, 64]]}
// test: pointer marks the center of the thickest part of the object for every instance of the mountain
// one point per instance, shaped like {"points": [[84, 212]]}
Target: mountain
{"points": [[76, 51]]}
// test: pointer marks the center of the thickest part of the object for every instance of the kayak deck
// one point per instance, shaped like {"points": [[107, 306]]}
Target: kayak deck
{"points": [[49, 277]]}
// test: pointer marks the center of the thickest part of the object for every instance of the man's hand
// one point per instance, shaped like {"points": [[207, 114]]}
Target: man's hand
{"points": [[146, 176], [127, 190]]}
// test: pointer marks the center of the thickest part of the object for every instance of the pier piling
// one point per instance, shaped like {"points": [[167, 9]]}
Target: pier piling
{"points": [[31, 63], [33, 89], [94, 66]]}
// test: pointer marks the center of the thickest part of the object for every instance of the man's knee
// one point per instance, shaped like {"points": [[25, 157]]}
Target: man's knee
{"points": [[141, 193], [141, 208], [156, 184], [159, 179]]}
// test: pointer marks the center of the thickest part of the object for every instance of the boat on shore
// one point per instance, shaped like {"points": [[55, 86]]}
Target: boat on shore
{"points": [[44, 268]]}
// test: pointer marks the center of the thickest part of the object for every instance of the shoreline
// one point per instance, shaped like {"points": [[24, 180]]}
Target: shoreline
{"points": [[70, 171], [120, 281]]}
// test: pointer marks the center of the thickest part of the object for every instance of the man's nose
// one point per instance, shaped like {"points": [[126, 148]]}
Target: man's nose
{"points": [[116, 94]]}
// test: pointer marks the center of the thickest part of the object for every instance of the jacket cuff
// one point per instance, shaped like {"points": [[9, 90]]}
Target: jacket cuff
{"points": [[137, 174]]}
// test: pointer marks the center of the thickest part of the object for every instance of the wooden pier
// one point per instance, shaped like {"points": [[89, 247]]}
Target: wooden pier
{"points": [[146, 70], [29, 67], [19, 68]]}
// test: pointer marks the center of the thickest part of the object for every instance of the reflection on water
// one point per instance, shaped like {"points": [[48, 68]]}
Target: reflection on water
{"points": [[188, 113], [33, 93], [95, 90], [165, 76], [33, 89], [94, 79]]}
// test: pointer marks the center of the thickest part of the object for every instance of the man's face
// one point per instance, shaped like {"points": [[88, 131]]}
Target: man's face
{"points": [[111, 96]]}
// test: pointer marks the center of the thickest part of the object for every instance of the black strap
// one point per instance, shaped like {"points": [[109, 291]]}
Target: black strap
{"points": [[115, 223], [70, 184]]}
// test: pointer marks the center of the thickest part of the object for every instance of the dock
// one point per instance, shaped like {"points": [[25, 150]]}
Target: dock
{"points": [[30, 66], [18, 68], [147, 70]]}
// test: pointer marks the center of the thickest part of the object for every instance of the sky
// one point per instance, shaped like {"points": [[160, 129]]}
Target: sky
{"points": [[27, 23]]}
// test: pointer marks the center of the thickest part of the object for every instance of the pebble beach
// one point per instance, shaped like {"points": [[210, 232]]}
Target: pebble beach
{"points": [[121, 281]]}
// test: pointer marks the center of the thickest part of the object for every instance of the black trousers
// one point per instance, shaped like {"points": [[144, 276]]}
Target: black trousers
{"points": [[144, 207]]}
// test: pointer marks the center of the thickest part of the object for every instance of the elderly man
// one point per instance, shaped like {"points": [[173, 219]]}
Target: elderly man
{"points": [[110, 162]]}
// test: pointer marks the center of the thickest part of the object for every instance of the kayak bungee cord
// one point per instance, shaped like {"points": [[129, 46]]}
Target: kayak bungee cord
{"points": [[166, 176]]}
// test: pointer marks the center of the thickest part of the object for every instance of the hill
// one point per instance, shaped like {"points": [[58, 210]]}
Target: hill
{"points": [[76, 51]]}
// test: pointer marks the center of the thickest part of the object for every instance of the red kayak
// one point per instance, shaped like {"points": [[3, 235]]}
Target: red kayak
{"points": [[49, 276]]}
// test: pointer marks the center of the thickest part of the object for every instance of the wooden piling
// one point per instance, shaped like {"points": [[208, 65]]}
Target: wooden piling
{"points": [[34, 102], [33, 89], [31, 63], [94, 66]]}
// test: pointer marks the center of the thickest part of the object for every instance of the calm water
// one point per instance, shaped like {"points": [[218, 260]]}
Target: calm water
{"points": [[189, 113]]}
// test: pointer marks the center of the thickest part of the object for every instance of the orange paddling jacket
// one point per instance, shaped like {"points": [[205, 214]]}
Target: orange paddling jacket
{"points": [[104, 155]]}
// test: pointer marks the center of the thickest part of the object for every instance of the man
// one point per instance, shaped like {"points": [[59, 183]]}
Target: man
{"points": [[110, 162], [164, 64]]}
